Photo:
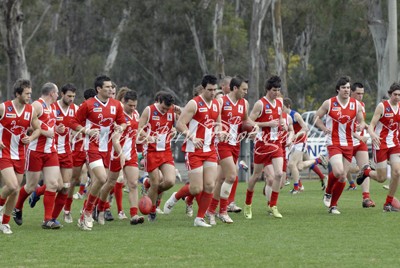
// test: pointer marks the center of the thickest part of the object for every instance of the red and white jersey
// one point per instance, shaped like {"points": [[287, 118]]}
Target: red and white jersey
{"points": [[94, 114], [159, 125], [232, 116], [297, 128], [340, 120], [13, 127], [388, 126], [270, 112], [284, 134], [47, 121], [202, 125], [128, 138], [64, 117], [356, 142]]}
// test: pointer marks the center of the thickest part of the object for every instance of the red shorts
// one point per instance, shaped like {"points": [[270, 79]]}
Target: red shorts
{"points": [[384, 154], [227, 151], [154, 160], [91, 157], [263, 154], [347, 152], [18, 165], [36, 161], [115, 164], [78, 158], [195, 160], [65, 160], [361, 147]]}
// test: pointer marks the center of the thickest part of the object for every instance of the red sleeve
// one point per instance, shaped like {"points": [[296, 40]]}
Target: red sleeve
{"points": [[120, 119], [80, 116]]}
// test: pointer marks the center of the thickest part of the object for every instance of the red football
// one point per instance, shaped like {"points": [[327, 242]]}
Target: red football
{"points": [[396, 203], [246, 127], [145, 205]]}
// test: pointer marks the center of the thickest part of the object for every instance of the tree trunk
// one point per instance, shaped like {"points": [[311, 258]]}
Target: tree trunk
{"points": [[303, 49], [378, 30], [260, 8], [112, 54], [200, 53], [217, 24], [12, 19], [392, 42], [280, 63]]}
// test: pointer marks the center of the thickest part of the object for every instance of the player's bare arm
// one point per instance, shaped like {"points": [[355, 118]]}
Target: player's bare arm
{"points": [[375, 118]]}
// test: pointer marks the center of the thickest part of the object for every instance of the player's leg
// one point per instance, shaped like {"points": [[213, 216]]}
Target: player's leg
{"points": [[394, 182], [257, 172]]}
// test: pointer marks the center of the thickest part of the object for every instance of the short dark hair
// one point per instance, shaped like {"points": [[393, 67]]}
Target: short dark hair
{"points": [[89, 93], [287, 102], [273, 82], [20, 85], [99, 81], [236, 81], [208, 79], [167, 98], [395, 86], [356, 85], [68, 87], [341, 82], [130, 95]]}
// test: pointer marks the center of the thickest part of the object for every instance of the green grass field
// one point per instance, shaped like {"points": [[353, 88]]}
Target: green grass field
{"points": [[307, 236]]}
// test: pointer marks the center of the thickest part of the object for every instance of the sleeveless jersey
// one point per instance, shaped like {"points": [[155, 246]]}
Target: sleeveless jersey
{"points": [[159, 125], [202, 125], [269, 112], [47, 121], [232, 116], [356, 142], [387, 126], [62, 140], [297, 128], [94, 114], [13, 127], [128, 138], [340, 120], [283, 134]]}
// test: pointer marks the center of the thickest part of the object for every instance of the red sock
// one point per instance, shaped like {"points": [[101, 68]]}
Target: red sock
{"points": [[367, 171], [68, 204], [204, 203], [249, 197], [158, 202], [146, 183], [40, 190], [133, 211], [365, 195], [331, 181], [48, 203], [22, 196], [153, 209], [223, 206], [198, 197], [82, 189], [318, 172], [6, 219], [189, 200], [337, 191], [118, 195], [2, 201], [300, 184], [389, 200], [107, 205], [101, 205], [91, 200], [274, 199], [112, 190], [183, 192], [231, 197], [213, 206], [59, 204]]}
